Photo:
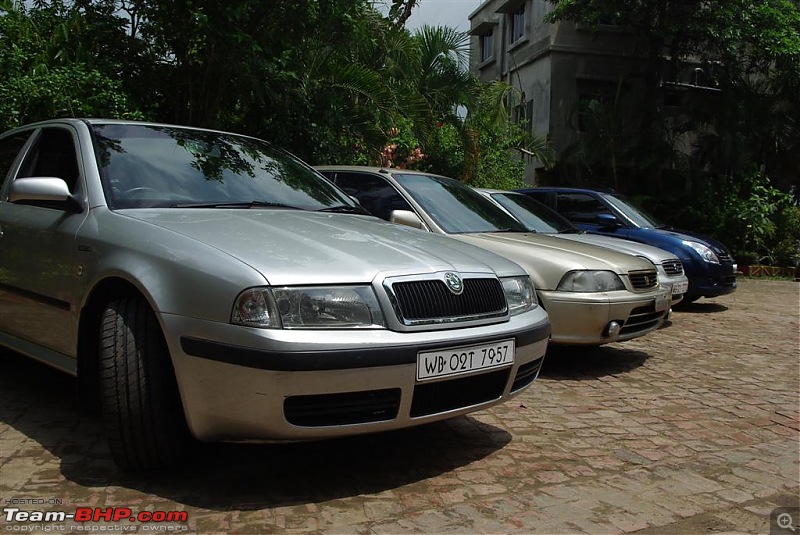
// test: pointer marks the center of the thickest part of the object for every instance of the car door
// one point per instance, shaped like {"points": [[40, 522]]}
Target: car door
{"points": [[38, 278]]}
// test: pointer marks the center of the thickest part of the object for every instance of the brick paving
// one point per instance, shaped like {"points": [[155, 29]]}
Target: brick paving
{"points": [[691, 429]]}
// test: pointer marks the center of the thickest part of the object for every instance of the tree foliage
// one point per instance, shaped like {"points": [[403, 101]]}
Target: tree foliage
{"points": [[333, 82], [755, 49], [737, 137]]}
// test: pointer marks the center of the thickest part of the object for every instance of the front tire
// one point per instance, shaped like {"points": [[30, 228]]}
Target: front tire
{"points": [[139, 395]]}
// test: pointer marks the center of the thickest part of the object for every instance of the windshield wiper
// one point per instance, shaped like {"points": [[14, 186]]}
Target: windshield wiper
{"points": [[345, 209], [511, 230], [248, 204]]}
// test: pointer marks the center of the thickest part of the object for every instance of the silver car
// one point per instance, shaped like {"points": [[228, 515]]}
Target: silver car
{"points": [[592, 294], [539, 218], [207, 282]]}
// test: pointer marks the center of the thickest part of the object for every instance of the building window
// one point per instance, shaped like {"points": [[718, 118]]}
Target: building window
{"points": [[517, 20], [487, 46], [593, 98]]}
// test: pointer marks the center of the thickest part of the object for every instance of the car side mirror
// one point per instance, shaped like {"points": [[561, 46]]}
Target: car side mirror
{"points": [[36, 190], [407, 218], [607, 220]]}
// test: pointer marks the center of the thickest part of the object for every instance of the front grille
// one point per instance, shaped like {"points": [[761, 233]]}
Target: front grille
{"points": [[725, 258], [443, 396], [421, 301], [642, 319], [645, 279], [526, 374], [673, 267], [342, 409]]}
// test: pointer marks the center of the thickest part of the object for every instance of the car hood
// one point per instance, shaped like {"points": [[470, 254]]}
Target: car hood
{"points": [[672, 240], [716, 246], [291, 247], [653, 254], [548, 258]]}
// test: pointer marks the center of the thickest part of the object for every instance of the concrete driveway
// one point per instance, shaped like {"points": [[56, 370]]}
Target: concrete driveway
{"points": [[693, 428]]}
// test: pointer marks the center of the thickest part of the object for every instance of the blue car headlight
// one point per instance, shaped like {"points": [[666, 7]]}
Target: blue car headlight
{"points": [[705, 253]]}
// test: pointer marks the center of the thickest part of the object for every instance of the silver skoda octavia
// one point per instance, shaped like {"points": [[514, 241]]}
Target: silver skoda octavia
{"points": [[207, 282]]}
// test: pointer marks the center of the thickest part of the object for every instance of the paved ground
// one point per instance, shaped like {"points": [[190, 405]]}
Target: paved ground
{"points": [[691, 429]]}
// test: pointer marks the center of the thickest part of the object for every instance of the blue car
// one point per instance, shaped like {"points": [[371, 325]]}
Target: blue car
{"points": [[707, 263]]}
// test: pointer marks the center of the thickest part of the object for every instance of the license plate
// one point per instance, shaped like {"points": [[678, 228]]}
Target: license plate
{"points": [[680, 287], [460, 360]]}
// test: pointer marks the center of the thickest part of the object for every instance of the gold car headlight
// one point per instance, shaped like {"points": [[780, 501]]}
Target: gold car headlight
{"points": [[586, 280], [312, 307], [520, 294]]}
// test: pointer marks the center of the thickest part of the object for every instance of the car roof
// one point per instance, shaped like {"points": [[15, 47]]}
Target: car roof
{"points": [[566, 189], [101, 121], [379, 170]]}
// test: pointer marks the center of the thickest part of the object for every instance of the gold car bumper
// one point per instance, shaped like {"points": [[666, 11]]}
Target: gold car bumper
{"points": [[603, 317]]}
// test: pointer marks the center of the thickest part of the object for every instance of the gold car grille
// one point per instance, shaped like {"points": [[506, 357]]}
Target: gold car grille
{"points": [[646, 279]]}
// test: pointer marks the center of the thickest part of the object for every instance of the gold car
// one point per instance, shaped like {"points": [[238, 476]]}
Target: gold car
{"points": [[592, 294]]}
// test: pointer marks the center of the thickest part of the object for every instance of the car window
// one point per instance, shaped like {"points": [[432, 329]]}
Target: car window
{"points": [[456, 207], [9, 149], [641, 218], [540, 196], [374, 193], [158, 166], [53, 155], [533, 214], [580, 207]]}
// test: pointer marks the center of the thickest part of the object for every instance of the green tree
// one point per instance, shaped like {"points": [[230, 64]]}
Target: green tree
{"points": [[48, 71], [757, 48]]}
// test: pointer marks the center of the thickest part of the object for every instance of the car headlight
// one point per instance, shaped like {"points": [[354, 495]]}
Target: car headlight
{"points": [[590, 281], [520, 294], [705, 253], [336, 307]]}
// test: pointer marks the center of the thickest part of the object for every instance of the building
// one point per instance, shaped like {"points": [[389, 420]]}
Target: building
{"points": [[557, 66]]}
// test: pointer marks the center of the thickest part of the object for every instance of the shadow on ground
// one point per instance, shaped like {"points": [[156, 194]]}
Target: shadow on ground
{"points": [[700, 307], [40, 403], [587, 363]]}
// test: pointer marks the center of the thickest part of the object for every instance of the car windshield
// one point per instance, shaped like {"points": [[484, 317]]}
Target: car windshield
{"points": [[456, 207], [533, 214], [638, 216], [161, 166]]}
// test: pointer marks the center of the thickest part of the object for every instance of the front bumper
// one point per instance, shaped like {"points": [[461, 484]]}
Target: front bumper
{"points": [[586, 318], [246, 384], [710, 280]]}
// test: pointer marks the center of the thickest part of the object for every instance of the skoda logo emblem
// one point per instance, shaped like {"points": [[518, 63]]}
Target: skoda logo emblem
{"points": [[454, 283]]}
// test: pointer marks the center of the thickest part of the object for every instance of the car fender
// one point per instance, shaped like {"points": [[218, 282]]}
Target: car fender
{"points": [[177, 275]]}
